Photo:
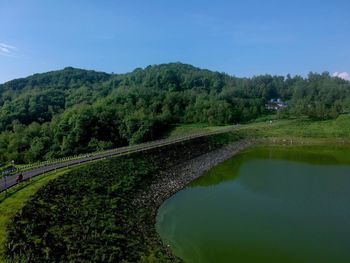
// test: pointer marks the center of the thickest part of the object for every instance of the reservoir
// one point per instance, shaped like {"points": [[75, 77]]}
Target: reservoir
{"points": [[266, 204]]}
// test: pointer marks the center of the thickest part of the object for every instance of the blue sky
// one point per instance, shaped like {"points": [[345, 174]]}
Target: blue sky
{"points": [[242, 38]]}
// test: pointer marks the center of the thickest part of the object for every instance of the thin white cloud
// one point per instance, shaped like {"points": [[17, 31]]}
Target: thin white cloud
{"points": [[342, 75], [7, 50]]}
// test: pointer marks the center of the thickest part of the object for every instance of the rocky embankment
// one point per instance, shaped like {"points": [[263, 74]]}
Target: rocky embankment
{"points": [[183, 164], [175, 178]]}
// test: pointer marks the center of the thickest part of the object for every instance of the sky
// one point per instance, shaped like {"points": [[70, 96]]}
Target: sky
{"points": [[241, 38]]}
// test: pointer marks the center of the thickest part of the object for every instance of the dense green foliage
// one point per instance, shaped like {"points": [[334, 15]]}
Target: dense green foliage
{"points": [[72, 111]]}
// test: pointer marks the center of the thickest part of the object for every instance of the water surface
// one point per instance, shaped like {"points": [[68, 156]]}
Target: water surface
{"points": [[271, 204]]}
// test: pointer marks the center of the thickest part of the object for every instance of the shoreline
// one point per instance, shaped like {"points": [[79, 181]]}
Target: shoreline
{"points": [[177, 177], [180, 175]]}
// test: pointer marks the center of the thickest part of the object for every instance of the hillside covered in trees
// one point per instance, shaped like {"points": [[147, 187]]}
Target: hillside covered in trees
{"points": [[73, 111]]}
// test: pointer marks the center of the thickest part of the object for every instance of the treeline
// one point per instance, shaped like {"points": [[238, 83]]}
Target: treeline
{"points": [[73, 111]]}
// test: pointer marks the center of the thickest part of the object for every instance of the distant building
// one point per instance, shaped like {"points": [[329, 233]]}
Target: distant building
{"points": [[275, 104]]}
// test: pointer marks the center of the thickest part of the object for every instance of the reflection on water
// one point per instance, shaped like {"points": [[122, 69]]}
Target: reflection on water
{"points": [[271, 204]]}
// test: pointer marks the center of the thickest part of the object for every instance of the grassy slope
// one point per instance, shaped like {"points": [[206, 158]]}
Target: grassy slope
{"points": [[125, 228], [16, 198]]}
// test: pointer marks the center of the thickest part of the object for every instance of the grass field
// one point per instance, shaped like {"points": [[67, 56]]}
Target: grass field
{"points": [[300, 128]]}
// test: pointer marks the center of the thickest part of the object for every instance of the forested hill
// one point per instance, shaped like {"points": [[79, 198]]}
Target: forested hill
{"points": [[72, 111]]}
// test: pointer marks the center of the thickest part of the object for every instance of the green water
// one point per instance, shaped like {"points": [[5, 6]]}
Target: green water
{"points": [[272, 204]]}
